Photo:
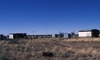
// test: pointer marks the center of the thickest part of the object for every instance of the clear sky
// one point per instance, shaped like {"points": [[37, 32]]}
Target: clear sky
{"points": [[55, 15]]}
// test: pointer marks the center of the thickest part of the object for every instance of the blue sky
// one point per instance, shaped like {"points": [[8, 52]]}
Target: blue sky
{"points": [[57, 15]]}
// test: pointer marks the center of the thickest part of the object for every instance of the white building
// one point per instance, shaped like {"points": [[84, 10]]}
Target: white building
{"points": [[85, 33], [65, 35], [11, 36], [89, 33]]}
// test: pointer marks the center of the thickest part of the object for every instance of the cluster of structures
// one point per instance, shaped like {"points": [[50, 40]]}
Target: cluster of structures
{"points": [[23, 36], [81, 33]]}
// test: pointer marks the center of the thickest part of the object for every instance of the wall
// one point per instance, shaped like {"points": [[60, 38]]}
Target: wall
{"points": [[85, 34], [11, 36], [1, 36]]}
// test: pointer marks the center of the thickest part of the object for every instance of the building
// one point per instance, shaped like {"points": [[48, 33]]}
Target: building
{"points": [[17, 35], [60, 35], [67, 35], [89, 33], [39, 36], [63, 35], [1, 37]]}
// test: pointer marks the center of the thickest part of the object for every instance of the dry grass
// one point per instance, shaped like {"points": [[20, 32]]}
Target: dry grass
{"points": [[63, 49]]}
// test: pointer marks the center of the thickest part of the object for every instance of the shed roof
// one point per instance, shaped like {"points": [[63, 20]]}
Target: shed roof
{"points": [[85, 31], [88, 30]]}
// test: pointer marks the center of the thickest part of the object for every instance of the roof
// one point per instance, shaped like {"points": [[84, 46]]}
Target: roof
{"points": [[39, 35], [88, 30], [17, 33], [84, 30]]}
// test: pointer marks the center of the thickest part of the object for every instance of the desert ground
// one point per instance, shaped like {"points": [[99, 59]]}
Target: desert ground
{"points": [[62, 49]]}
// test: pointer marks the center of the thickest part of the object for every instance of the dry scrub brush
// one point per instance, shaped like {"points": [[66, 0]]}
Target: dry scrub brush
{"points": [[62, 50]]}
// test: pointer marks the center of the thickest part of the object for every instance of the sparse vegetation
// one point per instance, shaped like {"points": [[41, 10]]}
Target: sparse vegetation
{"points": [[64, 49]]}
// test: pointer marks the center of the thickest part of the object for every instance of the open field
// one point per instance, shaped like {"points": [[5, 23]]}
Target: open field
{"points": [[62, 49]]}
